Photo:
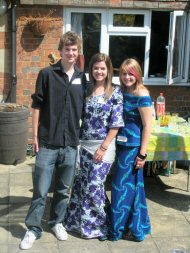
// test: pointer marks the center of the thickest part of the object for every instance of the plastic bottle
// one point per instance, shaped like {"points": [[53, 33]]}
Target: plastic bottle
{"points": [[160, 105]]}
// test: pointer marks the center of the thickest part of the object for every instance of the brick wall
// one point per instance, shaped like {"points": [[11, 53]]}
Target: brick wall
{"points": [[32, 52], [177, 97]]}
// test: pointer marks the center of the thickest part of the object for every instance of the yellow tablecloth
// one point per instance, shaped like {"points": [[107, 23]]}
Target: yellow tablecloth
{"points": [[168, 143]]}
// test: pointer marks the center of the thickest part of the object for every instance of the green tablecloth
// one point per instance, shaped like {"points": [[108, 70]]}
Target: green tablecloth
{"points": [[169, 143]]}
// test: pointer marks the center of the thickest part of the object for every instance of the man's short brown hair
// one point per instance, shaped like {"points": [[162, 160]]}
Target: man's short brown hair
{"points": [[69, 39]]}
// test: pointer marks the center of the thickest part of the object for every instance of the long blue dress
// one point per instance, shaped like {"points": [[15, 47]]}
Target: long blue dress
{"points": [[129, 212], [86, 212]]}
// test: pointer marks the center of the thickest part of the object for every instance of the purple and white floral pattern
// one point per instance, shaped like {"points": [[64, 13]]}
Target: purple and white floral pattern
{"points": [[101, 115], [86, 212]]}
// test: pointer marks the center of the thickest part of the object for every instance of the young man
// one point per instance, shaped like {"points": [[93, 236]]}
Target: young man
{"points": [[57, 107]]}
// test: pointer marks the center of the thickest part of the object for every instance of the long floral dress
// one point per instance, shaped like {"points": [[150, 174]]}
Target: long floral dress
{"points": [[87, 213], [129, 211]]}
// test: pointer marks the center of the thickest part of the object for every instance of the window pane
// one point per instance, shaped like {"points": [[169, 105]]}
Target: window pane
{"points": [[159, 41], [88, 25], [134, 20], [122, 47], [176, 71]]}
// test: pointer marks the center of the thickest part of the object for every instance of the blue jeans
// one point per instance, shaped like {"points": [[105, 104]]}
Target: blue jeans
{"points": [[48, 159]]}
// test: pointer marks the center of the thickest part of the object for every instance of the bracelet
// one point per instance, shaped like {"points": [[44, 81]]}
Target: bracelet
{"points": [[103, 148], [142, 157]]}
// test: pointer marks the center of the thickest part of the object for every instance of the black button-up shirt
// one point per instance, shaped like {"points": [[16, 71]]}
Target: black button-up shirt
{"points": [[60, 102]]}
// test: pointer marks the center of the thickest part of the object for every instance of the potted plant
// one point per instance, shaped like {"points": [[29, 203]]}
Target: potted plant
{"points": [[40, 23]]}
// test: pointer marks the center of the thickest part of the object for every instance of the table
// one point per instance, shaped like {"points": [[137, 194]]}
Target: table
{"points": [[170, 144]]}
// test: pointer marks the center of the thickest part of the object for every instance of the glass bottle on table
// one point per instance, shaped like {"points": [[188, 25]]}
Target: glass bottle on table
{"points": [[160, 105], [160, 109]]}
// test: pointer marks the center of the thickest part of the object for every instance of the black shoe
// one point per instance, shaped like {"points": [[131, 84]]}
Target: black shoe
{"points": [[103, 238]]}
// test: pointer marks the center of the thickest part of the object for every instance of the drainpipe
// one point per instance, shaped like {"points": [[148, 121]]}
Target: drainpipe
{"points": [[14, 75]]}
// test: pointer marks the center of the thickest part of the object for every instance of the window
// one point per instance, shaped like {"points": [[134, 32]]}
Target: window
{"points": [[126, 47], [160, 22], [157, 39], [124, 20], [88, 25], [176, 47], [128, 37]]}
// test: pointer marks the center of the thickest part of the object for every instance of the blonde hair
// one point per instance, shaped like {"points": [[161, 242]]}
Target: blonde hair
{"points": [[132, 66], [105, 58]]}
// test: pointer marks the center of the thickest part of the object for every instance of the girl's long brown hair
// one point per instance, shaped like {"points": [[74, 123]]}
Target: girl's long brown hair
{"points": [[105, 58]]}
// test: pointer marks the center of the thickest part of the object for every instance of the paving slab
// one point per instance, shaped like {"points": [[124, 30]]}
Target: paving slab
{"points": [[16, 231], [4, 188], [18, 211], [4, 169], [3, 248], [21, 187], [4, 234], [37, 248], [168, 244], [123, 246], [166, 225], [4, 213], [168, 203], [84, 246]]}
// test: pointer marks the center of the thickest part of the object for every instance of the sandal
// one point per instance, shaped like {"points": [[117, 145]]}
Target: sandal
{"points": [[129, 236]]}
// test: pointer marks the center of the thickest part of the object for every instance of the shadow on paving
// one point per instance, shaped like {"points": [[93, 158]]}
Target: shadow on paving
{"points": [[159, 193], [13, 215], [162, 194]]}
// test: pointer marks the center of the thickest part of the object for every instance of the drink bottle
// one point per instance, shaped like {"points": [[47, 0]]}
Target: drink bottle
{"points": [[160, 105]]}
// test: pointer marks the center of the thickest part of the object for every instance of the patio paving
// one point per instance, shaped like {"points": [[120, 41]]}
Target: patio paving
{"points": [[168, 203]]}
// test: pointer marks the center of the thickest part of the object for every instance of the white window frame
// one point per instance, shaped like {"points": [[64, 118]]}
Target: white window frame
{"points": [[187, 50], [67, 15], [107, 29], [131, 31], [169, 78]]}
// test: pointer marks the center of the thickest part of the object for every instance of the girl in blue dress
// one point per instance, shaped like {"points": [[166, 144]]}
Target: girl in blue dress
{"points": [[103, 115], [129, 212]]}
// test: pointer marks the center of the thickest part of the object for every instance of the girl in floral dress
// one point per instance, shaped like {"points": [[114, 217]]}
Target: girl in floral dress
{"points": [[129, 212], [102, 118]]}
